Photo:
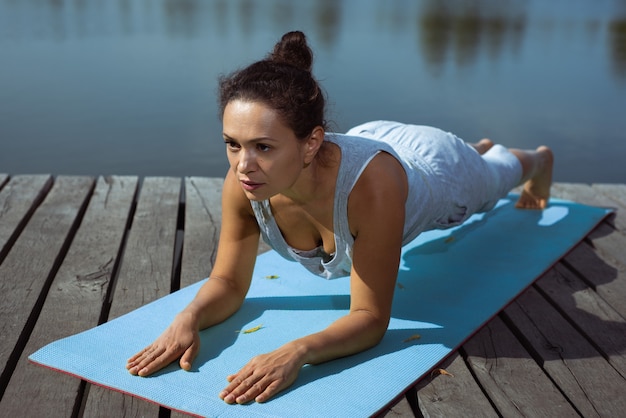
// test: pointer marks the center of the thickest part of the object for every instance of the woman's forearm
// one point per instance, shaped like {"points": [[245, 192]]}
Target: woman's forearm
{"points": [[216, 300], [353, 333]]}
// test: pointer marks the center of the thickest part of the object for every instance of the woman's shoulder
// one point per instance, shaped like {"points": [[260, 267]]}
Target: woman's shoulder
{"points": [[382, 173], [366, 161], [380, 191]]}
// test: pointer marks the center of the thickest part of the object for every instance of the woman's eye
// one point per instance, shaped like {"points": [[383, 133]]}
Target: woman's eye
{"points": [[263, 147], [232, 145]]}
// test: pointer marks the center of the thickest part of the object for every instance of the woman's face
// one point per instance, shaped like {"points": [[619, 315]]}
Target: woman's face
{"points": [[262, 151]]}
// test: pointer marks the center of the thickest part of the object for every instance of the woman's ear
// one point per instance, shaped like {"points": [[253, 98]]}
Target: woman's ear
{"points": [[313, 144]]}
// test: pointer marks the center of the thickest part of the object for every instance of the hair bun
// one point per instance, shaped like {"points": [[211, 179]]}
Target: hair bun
{"points": [[293, 50]]}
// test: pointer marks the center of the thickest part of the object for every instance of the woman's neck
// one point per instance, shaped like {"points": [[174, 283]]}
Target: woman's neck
{"points": [[316, 183]]}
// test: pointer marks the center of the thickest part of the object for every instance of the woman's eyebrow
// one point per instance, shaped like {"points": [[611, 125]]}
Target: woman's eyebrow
{"points": [[259, 139]]}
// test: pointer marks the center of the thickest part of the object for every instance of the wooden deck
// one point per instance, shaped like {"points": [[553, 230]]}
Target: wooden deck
{"points": [[78, 251]]}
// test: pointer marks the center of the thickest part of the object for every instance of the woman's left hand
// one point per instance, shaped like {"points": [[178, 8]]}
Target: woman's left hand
{"points": [[264, 376]]}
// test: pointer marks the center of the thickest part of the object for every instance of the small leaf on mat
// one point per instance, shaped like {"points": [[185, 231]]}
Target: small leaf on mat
{"points": [[250, 330], [413, 338]]}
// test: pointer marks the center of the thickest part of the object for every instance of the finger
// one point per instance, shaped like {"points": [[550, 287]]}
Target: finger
{"points": [[261, 390], [134, 358], [156, 362], [234, 383], [141, 358], [151, 362], [243, 393], [189, 356], [239, 384], [251, 392], [271, 390]]}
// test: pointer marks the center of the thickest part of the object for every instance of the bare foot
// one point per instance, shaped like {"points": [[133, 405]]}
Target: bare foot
{"points": [[536, 191], [483, 145]]}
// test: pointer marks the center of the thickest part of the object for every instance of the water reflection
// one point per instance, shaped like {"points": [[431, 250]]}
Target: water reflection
{"points": [[448, 31], [617, 46], [328, 18], [465, 29], [137, 73]]}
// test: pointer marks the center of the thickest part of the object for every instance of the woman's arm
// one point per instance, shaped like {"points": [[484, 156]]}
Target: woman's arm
{"points": [[219, 297], [376, 216], [230, 278]]}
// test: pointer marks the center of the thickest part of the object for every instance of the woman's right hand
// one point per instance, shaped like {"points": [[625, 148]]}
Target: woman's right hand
{"points": [[180, 340]]}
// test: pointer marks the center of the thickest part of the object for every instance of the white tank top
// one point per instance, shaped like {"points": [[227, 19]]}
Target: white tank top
{"points": [[356, 153]]}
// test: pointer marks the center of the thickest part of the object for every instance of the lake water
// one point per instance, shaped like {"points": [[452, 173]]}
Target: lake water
{"points": [[128, 86]]}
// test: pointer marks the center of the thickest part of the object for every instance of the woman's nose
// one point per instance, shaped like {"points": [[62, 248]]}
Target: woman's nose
{"points": [[246, 161]]}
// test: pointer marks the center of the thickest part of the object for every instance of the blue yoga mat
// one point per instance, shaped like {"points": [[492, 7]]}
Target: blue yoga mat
{"points": [[450, 283]]}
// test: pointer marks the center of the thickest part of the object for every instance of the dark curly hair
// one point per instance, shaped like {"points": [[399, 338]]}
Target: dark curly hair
{"points": [[282, 81]]}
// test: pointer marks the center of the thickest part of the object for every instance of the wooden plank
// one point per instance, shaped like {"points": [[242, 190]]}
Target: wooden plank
{"points": [[441, 395], [401, 409], [145, 275], [589, 382], [605, 276], [614, 191], [203, 216], [146, 270], [589, 312], [18, 200], [513, 381], [609, 243], [27, 270], [74, 302]]}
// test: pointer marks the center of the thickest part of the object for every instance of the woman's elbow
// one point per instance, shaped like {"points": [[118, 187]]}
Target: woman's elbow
{"points": [[377, 328]]}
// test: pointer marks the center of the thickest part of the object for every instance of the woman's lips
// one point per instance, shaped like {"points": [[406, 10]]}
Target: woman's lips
{"points": [[250, 186]]}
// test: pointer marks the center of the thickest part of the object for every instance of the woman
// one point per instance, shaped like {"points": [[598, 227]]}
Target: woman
{"points": [[339, 204]]}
